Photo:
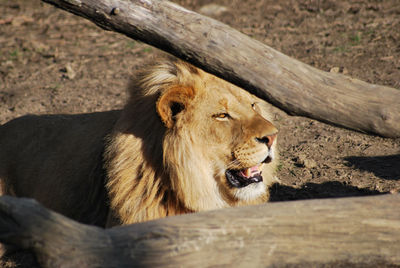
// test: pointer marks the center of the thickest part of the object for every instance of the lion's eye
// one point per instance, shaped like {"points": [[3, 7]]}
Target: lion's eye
{"points": [[222, 116]]}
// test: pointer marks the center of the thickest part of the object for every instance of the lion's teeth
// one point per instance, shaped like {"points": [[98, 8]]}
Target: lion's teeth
{"points": [[248, 172], [255, 170]]}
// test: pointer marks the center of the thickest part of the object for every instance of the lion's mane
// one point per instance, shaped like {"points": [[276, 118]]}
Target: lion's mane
{"points": [[154, 171]]}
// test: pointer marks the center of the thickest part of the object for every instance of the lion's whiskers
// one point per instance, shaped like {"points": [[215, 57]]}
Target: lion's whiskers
{"points": [[233, 164]]}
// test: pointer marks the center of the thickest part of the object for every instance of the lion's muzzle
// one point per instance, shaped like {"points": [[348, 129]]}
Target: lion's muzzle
{"points": [[252, 155]]}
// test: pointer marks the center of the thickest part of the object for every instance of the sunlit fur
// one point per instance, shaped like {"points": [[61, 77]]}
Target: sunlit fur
{"points": [[170, 148]]}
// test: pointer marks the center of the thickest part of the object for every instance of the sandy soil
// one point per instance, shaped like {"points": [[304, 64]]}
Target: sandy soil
{"points": [[55, 62]]}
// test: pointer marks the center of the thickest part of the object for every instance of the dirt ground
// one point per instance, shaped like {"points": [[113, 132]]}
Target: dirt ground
{"points": [[55, 62]]}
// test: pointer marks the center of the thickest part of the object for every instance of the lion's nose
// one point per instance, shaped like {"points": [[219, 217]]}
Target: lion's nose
{"points": [[268, 140]]}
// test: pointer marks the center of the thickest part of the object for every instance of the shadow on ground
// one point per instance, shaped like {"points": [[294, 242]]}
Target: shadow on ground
{"points": [[386, 167], [329, 189]]}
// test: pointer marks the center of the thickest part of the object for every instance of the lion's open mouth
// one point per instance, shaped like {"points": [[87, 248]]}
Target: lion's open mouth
{"points": [[242, 178]]}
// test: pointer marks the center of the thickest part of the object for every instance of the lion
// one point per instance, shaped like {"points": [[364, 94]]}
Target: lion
{"points": [[185, 142]]}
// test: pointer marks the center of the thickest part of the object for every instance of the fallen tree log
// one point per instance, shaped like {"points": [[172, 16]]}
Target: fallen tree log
{"points": [[362, 231], [289, 84]]}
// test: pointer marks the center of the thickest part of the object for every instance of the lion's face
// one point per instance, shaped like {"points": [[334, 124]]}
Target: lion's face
{"points": [[219, 144]]}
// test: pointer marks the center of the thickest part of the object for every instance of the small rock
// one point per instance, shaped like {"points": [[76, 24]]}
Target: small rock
{"points": [[342, 70], [334, 70], [70, 72], [302, 160], [212, 10], [309, 163]]}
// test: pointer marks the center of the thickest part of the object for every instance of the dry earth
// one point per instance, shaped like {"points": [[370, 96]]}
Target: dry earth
{"points": [[55, 62]]}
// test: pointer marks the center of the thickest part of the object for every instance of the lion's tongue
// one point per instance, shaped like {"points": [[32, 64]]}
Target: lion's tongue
{"points": [[250, 172]]}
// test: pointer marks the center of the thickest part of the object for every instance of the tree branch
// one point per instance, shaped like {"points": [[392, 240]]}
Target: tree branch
{"points": [[319, 233], [289, 84]]}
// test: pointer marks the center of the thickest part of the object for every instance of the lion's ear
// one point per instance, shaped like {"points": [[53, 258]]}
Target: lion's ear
{"points": [[172, 102]]}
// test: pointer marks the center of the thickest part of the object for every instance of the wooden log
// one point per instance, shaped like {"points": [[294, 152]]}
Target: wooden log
{"points": [[289, 84], [360, 231]]}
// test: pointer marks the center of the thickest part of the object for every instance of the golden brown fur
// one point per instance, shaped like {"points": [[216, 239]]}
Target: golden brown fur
{"points": [[168, 153], [176, 165]]}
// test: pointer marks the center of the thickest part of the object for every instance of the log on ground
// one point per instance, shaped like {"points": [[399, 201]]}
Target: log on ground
{"points": [[361, 231], [289, 84]]}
